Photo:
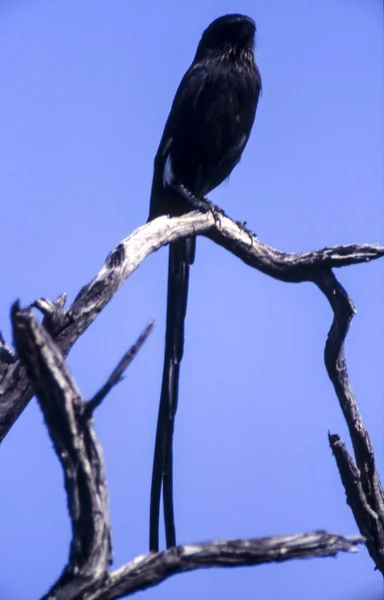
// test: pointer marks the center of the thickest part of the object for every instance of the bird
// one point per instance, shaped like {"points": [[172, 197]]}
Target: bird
{"points": [[207, 129]]}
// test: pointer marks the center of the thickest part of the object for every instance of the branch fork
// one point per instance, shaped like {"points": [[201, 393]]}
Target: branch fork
{"points": [[39, 368]]}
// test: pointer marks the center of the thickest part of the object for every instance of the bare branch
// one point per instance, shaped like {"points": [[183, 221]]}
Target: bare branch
{"points": [[86, 575], [15, 391], [356, 498], [361, 480], [76, 446], [151, 569], [117, 374]]}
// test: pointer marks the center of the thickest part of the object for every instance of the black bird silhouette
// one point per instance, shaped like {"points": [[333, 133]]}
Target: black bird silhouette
{"points": [[206, 132]]}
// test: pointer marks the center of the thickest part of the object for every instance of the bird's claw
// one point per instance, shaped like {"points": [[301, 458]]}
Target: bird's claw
{"points": [[243, 226], [216, 212]]}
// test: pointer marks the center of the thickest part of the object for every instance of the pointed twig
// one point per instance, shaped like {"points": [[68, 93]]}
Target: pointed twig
{"points": [[117, 374]]}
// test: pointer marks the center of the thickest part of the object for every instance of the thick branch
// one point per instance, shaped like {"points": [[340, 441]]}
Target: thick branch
{"points": [[361, 480], [151, 569], [66, 327], [76, 446]]}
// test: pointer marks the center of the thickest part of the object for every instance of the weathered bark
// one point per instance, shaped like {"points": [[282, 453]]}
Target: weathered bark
{"points": [[67, 326], [38, 367]]}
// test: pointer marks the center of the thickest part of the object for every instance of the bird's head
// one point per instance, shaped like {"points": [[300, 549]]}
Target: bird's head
{"points": [[230, 31]]}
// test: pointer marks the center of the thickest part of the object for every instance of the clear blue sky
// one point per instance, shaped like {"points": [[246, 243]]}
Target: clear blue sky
{"points": [[85, 91]]}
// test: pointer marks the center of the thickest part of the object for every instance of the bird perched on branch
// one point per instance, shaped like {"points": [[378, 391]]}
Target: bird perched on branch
{"points": [[204, 137]]}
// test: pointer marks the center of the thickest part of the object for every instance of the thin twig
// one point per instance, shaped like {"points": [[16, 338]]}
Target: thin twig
{"points": [[117, 374]]}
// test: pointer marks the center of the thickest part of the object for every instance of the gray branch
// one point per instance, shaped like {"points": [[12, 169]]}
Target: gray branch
{"points": [[76, 445], [151, 569], [360, 480], [69, 423], [117, 374], [67, 326]]}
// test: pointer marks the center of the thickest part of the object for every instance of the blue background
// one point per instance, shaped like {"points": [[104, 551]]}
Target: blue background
{"points": [[85, 91]]}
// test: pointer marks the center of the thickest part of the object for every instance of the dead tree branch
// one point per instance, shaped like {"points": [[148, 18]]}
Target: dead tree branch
{"points": [[117, 374], [151, 569], [67, 326], [75, 444], [86, 577], [361, 480]]}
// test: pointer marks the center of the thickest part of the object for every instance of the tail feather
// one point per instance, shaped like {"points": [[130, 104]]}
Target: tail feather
{"points": [[181, 257]]}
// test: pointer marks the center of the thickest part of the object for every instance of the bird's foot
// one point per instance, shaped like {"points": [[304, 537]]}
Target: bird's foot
{"points": [[201, 204], [216, 211], [243, 226], [195, 203]]}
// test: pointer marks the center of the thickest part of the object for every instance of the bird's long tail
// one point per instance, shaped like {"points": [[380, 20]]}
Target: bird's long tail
{"points": [[181, 257]]}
